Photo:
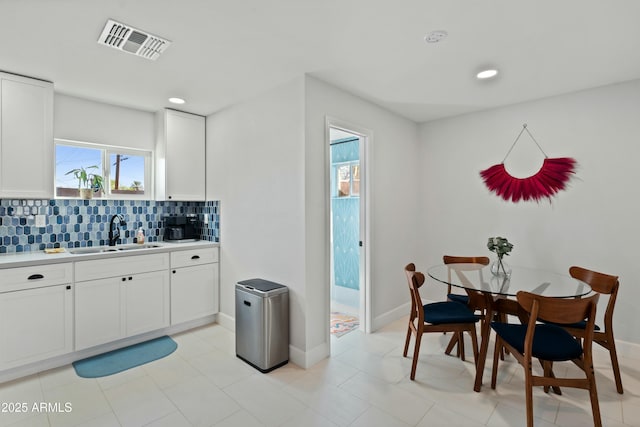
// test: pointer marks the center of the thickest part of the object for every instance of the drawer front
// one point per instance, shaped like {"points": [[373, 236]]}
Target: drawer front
{"points": [[20, 278], [193, 257], [118, 266]]}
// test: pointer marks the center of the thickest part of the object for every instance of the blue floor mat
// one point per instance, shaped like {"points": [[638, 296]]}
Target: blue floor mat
{"points": [[125, 358]]}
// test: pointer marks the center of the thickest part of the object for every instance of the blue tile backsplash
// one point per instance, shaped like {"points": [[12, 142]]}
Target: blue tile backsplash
{"points": [[81, 223]]}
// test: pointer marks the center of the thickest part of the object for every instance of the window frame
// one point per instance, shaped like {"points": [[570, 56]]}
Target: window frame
{"points": [[106, 152]]}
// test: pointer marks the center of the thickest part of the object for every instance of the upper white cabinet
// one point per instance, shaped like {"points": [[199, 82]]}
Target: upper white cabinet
{"points": [[180, 156], [26, 138]]}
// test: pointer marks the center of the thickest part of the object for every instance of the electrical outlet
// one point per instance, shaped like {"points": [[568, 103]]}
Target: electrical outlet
{"points": [[41, 221]]}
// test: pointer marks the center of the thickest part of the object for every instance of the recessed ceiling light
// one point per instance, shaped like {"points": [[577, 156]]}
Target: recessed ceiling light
{"points": [[435, 36], [487, 74], [176, 100]]}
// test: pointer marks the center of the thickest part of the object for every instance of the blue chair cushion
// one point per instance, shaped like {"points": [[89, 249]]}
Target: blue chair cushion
{"points": [[448, 312], [550, 342], [579, 325], [462, 299]]}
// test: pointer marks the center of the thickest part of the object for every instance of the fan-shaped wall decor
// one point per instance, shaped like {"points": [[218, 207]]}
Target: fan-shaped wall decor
{"points": [[552, 177]]}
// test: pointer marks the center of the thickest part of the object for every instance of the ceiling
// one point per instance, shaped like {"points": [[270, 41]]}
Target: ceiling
{"points": [[226, 51]]}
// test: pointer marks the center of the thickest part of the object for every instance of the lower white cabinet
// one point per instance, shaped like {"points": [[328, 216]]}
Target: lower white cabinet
{"points": [[146, 302], [111, 308], [194, 284], [36, 323], [194, 292], [44, 311]]}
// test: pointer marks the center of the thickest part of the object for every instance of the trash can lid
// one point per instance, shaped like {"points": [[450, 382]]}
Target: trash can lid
{"points": [[261, 284]]}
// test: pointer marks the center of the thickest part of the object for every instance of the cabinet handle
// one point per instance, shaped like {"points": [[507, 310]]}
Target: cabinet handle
{"points": [[195, 257], [124, 279], [169, 196], [174, 272], [68, 287], [130, 278], [35, 277]]}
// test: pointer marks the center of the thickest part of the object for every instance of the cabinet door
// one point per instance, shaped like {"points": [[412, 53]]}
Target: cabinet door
{"points": [[35, 324], [185, 156], [146, 302], [98, 309], [26, 138], [194, 292]]}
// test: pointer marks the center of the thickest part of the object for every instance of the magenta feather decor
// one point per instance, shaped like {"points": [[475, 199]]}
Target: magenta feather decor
{"points": [[552, 177]]}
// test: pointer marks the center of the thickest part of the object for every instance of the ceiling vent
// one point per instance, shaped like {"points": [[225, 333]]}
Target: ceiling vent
{"points": [[131, 40]]}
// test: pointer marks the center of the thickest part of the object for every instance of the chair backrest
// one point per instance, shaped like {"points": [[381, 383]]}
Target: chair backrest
{"points": [[559, 310], [415, 280], [449, 259], [476, 299], [601, 283]]}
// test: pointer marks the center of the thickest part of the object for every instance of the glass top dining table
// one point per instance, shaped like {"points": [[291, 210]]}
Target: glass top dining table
{"points": [[477, 277], [498, 293]]}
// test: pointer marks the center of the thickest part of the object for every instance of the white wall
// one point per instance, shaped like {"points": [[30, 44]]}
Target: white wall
{"points": [[90, 121], [267, 164], [593, 224], [255, 167], [393, 171]]}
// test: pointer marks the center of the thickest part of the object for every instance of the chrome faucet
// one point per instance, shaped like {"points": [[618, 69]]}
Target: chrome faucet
{"points": [[114, 235]]}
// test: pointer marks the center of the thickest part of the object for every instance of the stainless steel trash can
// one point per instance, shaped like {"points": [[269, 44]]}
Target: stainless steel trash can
{"points": [[262, 324]]}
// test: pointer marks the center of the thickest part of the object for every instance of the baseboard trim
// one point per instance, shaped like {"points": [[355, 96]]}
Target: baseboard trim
{"points": [[309, 358], [227, 321], [627, 349], [390, 316]]}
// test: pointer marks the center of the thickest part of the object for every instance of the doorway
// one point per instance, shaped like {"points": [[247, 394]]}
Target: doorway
{"points": [[349, 296]]}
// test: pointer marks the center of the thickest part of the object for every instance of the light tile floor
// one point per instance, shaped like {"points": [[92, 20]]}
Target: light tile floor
{"points": [[364, 384]]}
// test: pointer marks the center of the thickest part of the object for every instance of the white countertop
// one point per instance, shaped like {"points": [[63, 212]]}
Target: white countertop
{"points": [[26, 259]]}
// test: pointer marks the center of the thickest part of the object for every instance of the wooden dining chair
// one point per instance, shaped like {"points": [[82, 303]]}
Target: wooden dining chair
{"points": [[550, 343], [608, 285], [448, 259], [474, 305], [445, 316]]}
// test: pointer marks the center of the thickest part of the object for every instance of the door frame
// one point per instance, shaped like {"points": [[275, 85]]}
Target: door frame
{"points": [[366, 138]]}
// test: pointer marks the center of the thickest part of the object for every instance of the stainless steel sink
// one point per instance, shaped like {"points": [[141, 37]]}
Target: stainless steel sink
{"points": [[103, 249], [136, 247]]}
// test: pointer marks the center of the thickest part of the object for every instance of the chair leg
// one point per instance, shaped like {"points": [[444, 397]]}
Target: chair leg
{"points": [[593, 394], [496, 357], [452, 343], [474, 344], [406, 342], [547, 365], [529, 393], [416, 352], [611, 346], [461, 345]]}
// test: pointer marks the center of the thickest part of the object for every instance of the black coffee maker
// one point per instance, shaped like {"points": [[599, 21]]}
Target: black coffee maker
{"points": [[181, 228]]}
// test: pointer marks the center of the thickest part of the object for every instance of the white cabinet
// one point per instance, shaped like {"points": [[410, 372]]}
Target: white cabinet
{"points": [[180, 156], [36, 309], [194, 284], [119, 297], [26, 138]]}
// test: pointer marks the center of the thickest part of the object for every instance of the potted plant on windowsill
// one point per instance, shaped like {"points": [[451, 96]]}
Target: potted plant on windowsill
{"points": [[88, 182]]}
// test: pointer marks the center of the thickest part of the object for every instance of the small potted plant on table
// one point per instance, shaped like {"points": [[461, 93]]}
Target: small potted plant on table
{"points": [[502, 247], [88, 182]]}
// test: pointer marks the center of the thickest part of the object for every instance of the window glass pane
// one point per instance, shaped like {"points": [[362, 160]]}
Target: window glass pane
{"points": [[344, 180], [127, 173], [355, 177], [76, 168]]}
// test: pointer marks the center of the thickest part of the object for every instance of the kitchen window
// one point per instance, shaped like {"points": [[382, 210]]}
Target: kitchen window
{"points": [[105, 172]]}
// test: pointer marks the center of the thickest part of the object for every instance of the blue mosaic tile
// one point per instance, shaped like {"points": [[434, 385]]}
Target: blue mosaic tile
{"points": [[84, 223]]}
